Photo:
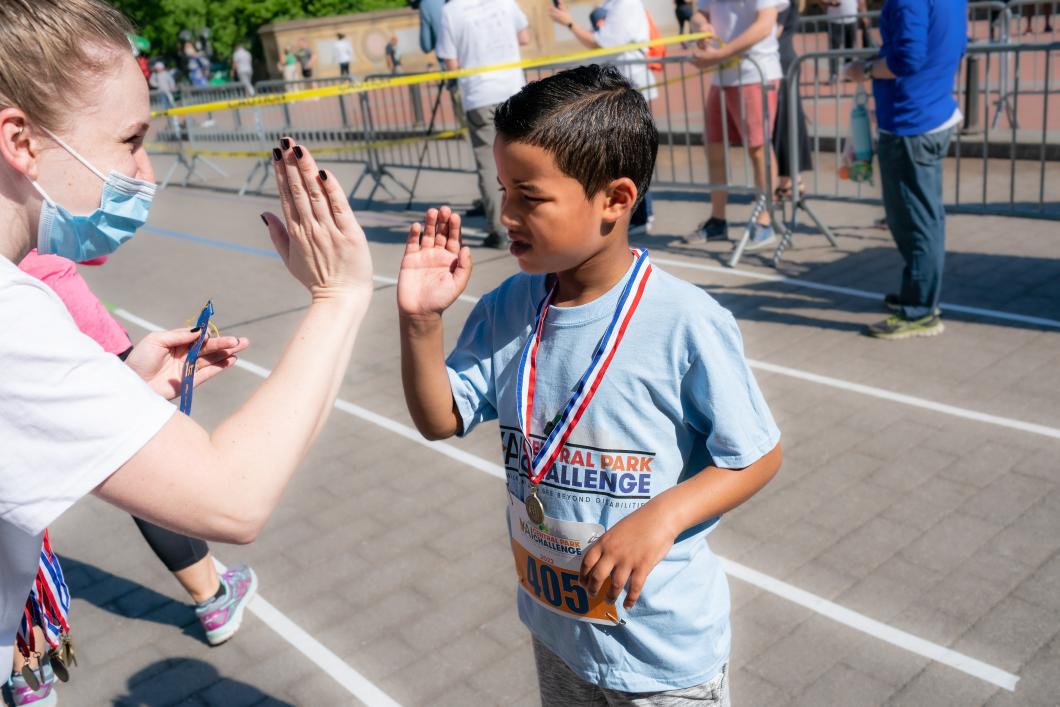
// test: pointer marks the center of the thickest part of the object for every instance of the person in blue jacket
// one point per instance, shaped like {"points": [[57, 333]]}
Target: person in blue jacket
{"points": [[923, 42]]}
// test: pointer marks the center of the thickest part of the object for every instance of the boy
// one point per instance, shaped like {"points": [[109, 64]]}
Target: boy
{"points": [[747, 28], [665, 430]]}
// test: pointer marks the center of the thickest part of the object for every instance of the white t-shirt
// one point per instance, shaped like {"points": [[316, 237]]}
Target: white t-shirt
{"points": [[845, 10], [243, 61], [731, 18], [342, 51], [70, 416], [626, 23], [483, 33]]}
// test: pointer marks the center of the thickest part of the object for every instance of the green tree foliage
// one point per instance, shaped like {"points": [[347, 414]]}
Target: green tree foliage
{"points": [[229, 21]]}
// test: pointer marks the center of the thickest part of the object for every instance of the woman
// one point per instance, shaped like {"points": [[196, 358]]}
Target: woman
{"points": [[787, 27], [75, 420]]}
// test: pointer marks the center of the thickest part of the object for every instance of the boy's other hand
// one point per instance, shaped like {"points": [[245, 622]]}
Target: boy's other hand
{"points": [[436, 267], [627, 553]]}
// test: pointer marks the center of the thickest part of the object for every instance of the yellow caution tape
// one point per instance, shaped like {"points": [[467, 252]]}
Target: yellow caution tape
{"points": [[411, 80]]}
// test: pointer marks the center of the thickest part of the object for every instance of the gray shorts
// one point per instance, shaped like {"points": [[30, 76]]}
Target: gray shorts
{"points": [[560, 687]]}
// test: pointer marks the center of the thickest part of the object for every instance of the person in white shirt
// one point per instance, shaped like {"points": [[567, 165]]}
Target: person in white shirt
{"points": [[75, 420], [842, 26], [343, 53], [485, 33], [747, 30], [621, 22], [243, 68]]}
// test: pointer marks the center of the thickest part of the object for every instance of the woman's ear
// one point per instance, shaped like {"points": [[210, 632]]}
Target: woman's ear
{"points": [[620, 199], [18, 149]]}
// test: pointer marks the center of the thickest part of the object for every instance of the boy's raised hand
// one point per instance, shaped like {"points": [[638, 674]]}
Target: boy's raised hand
{"points": [[436, 267]]}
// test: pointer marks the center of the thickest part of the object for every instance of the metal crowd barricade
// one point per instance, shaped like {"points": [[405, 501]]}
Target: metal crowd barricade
{"points": [[1005, 169], [416, 127], [988, 21]]}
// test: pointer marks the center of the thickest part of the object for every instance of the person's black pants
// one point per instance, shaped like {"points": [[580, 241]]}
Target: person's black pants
{"points": [[841, 36], [176, 551]]}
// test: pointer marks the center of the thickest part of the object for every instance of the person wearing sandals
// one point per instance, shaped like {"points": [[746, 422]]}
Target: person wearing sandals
{"points": [[787, 27]]}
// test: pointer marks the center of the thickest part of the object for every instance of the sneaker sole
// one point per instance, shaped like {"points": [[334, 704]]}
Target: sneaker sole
{"points": [[50, 701], [909, 334], [752, 246], [230, 628]]}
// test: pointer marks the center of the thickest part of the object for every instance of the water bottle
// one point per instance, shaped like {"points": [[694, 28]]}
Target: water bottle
{"points": [[861, 128]]}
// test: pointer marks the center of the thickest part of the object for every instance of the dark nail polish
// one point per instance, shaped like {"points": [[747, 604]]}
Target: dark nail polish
{"points": [[196, 330], [276, 154], [298, 152], [285, 143], [264, 220], [323, 176]]}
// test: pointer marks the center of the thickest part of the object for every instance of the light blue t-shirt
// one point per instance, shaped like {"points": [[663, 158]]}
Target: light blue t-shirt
{"points": [[677, 398]]}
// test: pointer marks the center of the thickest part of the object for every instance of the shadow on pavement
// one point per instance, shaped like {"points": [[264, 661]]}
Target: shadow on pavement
{"points": [[167, 682], [1018, 285], [127, 598]]}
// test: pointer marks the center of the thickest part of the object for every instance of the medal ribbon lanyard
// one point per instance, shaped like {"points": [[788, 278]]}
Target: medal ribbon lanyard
{"points": [[187, 379], [590, 380]]}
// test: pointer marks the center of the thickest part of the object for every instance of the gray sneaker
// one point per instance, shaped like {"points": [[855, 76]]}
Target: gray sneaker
{"points": [[713, 229]]}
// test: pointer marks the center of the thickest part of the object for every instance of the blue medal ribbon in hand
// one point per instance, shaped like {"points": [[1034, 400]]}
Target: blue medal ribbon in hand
{"points": [[187, 380]]}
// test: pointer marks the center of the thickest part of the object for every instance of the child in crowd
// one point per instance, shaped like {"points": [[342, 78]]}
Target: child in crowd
{"points": [[629, 418], [749, 57]]}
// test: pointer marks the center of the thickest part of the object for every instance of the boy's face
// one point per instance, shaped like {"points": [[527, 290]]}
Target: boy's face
{"points": [[552, 225]]}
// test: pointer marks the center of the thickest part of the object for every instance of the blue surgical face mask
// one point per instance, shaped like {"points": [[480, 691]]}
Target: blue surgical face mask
{"points": [[123, 209]]}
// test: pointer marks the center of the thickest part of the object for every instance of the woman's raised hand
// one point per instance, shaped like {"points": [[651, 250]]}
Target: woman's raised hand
{"points": [[321, 244]]}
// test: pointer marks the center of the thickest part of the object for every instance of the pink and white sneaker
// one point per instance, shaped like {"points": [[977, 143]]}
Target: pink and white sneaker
{"points": [[221, 617], [23, 694]]}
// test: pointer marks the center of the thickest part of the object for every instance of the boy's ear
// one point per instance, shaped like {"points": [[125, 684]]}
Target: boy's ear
{"points": [[620, 197]]}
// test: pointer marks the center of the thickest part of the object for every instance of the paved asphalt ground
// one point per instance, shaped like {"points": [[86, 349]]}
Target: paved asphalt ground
{"points": [[908, 553]]}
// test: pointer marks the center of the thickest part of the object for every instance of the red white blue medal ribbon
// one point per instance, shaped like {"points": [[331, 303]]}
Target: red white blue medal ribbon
{"points": [[48, 605], [587, 386]]}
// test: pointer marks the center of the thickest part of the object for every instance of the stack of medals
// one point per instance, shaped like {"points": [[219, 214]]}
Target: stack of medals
{"points": [[47, 607]]}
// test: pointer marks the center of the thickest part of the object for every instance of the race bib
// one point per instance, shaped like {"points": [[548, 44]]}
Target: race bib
{"points": [[548, 558]]}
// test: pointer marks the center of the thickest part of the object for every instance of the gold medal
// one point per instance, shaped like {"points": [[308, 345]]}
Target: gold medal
{"points": [[30, 677], [59, 666], [66, 651], [535, 510]]}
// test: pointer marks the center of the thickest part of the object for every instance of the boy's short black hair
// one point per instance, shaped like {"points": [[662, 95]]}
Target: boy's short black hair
{"points": [[596, 126]]}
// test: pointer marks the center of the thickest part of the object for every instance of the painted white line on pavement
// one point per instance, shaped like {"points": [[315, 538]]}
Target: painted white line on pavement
{"points": [[837, 289], [901, 639], [854, 292], [355, 683], [852, 619], [989, 419]]}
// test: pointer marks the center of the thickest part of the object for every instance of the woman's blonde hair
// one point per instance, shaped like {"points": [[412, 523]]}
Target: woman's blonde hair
{"points": [[50, 48]]}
